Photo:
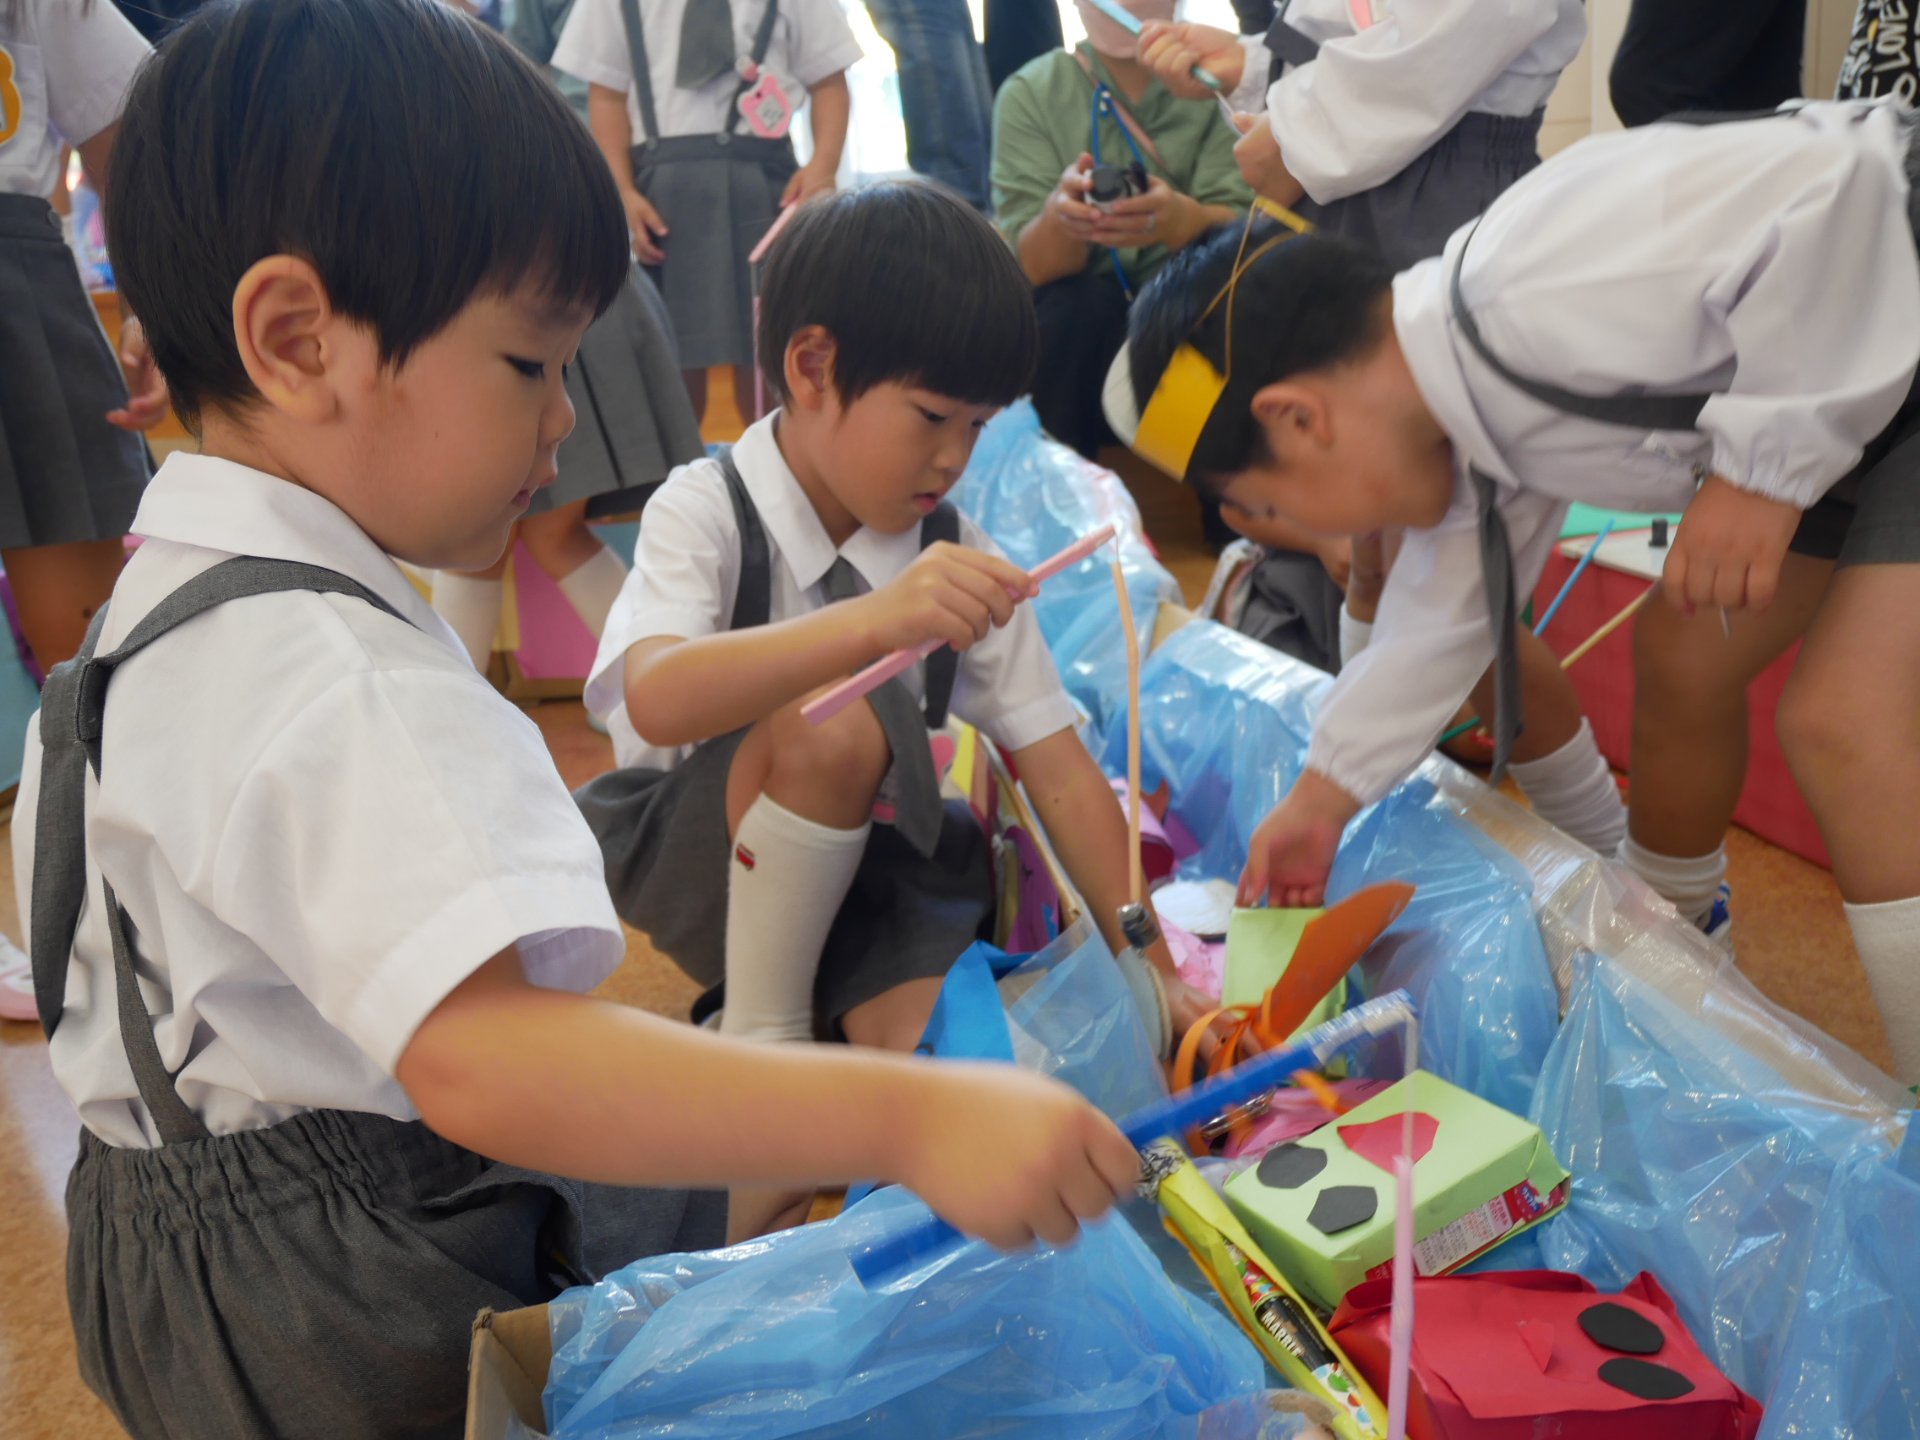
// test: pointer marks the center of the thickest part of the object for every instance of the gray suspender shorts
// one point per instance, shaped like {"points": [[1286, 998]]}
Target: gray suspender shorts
{"points": [[317, 1278], [664, 835]]}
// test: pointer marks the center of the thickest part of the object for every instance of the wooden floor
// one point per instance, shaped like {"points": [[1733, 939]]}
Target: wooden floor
{"points": [[1792, 941]]}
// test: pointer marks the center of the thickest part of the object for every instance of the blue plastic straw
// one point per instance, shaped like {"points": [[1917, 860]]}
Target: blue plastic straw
{"points": [[1174, 1116], [1131, 24], [1574, 578]]}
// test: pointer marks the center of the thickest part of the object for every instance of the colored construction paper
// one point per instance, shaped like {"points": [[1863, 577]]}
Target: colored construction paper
{"points": [[1645, 1380], [1341, 1207], [1614, 1327], [1260, 943], [1537, 1336], [1288, 1167], [1379, 1141]]}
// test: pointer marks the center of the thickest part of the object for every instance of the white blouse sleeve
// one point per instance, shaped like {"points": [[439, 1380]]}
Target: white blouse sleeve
{"points": [[1430, 645], [1371, 103], [90, 53]]}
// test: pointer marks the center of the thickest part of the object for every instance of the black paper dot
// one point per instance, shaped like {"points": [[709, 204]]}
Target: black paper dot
{"points": [[1645, 1381], [1341, 1207], [1617, 1328], [1288, 1167]]}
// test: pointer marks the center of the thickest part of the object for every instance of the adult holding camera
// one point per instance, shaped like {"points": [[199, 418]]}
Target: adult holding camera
{"points": [[1099, 174]]}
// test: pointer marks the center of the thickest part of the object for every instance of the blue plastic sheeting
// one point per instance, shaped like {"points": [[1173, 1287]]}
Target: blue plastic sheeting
{"points": [[778, 1338], [1850, 1368], [1225, 722], [1035, 497], [1693, 1159]]}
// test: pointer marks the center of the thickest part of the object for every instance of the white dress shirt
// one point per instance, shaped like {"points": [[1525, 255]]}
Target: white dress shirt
{"points": [[1374, 100], [686, 570], [320, 821], [64, 74], [1770, 262], [811, 42]]}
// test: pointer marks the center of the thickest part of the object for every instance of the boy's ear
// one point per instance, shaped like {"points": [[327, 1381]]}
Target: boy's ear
{"points": [[809, 367], [1292, 413], [289, 336]]}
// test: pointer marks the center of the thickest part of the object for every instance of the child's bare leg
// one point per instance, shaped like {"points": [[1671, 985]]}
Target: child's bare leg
{"points": [[1556, 761], [587, 572], [896, 1019], [1850, 722], [743, 378], [799, 798], [58, 589], [1690, 729]]}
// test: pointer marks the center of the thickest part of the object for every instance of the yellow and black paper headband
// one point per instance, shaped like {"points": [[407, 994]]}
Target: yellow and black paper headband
{"points": [[1166, 430]]}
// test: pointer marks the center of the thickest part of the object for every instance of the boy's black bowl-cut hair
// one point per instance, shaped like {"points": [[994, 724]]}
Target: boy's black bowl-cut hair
{"points": [[404, 150], [913, 285], [1308, 304]]}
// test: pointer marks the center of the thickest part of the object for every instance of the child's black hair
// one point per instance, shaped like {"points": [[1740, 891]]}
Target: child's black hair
{"points": [[1310, 303], [913, 285], [412, 156]]}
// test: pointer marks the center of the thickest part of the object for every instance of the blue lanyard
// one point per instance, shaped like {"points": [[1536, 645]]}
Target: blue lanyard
{"points": [[1102, 103]]}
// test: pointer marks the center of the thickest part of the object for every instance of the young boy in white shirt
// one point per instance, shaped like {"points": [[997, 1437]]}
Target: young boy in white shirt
{"points": [[1718, 351], [894, 322], [311, 912], [1390, 125], [691, 102]]}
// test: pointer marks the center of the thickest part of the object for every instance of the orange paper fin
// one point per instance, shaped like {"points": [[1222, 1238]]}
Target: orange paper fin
{"points": [[1328, 949]]}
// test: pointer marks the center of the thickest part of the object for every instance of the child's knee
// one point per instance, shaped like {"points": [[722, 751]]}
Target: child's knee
{"points": [[848, 752], [1826, 746]]}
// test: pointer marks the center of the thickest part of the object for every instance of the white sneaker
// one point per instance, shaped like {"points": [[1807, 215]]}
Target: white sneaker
{"points": [[1718, 926], [16, 983]]}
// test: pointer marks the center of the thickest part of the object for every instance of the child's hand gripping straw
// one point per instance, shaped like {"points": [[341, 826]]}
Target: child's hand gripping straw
{"points": [[1174, 1116], [1130, 23], [830, 703]]}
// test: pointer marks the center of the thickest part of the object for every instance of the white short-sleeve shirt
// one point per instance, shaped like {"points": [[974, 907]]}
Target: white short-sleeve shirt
{"points": [[65, 70], [319, 819], [687, 568], [811, 42]]}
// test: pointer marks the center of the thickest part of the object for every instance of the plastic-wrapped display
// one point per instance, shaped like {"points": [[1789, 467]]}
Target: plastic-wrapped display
{"points": [[1035, 497], [778, 1338]]}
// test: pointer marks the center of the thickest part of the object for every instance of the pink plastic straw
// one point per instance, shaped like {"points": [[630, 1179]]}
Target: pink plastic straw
{"points": [[773, 231], [760, 250], [831, 702], [1400, 1322]]}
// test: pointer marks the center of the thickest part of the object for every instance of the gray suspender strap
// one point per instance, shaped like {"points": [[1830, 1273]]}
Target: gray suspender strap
{"points": [[643, 75], [943, 666], [1638, 412], [72, 709], [1287, 45]]}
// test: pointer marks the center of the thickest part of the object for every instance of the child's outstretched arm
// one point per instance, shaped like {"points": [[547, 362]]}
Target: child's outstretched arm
{"points": [[577, 1086], [682, 691]]}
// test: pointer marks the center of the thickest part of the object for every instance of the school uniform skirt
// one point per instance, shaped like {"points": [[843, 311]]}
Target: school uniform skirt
{"points": [[718, 194], [66, 475], [633, 422]]}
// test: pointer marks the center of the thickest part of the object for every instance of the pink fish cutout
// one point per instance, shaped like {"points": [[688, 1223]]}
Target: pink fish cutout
{"points": [[1378, 1141]]}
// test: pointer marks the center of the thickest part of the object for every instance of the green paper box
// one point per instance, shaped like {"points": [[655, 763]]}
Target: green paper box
{"points": [[1260, 946], [1324, 1212]]}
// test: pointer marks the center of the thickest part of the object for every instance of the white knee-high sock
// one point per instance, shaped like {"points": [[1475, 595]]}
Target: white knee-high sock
{"points": [[592, 587], [786, 881], [1690, 881], [1888, 939], [472, 608], [1574, 789]]}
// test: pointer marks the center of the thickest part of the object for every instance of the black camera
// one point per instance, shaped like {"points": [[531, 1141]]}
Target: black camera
{"points": [[1111, 183]]}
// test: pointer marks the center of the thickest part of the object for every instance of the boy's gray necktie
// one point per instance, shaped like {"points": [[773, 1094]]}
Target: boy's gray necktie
{"points": [[707, 49], [916, 804]]}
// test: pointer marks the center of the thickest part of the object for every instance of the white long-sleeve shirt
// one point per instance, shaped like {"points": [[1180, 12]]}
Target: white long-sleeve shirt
{"points": [[1771, 262], [1374, 100]]}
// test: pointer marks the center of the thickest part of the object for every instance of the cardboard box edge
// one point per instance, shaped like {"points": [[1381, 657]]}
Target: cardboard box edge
{"points": [[507, 1366]]}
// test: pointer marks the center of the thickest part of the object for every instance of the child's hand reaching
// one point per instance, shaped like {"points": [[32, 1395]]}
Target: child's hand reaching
{"points": [[1292, 851], [1013, 1157], [1729, 548], [646, 227], [808, 181], [1171, 52], [147, 399], [950, 595]]}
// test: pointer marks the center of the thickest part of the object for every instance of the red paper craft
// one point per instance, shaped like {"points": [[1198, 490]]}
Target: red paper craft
{"points": [[1378, 1141], [1495, 1355]]}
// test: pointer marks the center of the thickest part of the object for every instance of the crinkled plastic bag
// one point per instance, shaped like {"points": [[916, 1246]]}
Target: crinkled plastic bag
{"points": [[1850, 1368], [1225, 721], [1692, 1158], [778, 1338], [1035, 497]]}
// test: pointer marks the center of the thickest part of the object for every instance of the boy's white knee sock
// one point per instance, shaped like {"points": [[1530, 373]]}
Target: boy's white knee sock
{"points": [[786, 881], [592, 588], [1888, 939], [472, 608], [1690, 881], [1575, 790]]}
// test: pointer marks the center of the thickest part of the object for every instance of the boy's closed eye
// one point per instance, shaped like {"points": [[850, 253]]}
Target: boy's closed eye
{"points": [[532, 369]]}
